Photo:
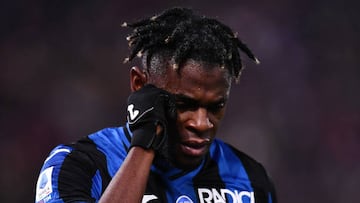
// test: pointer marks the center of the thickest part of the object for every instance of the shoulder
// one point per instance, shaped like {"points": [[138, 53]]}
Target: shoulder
{"points": [[227, 151], [92, 149], [256, 172], [106, 140], [106, 148], [234, 157]]}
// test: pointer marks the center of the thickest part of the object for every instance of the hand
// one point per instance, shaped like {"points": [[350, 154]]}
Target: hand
{"points": [[150, 111]]}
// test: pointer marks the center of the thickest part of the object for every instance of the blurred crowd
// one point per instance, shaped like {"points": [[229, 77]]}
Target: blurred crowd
{"points": [[298, 112]]}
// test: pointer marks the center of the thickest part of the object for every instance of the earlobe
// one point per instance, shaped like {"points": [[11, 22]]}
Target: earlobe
{"points": [[138, 78]]}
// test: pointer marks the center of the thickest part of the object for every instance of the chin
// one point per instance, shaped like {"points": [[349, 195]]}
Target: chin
{"points": [[186, 162], [180, 158]]}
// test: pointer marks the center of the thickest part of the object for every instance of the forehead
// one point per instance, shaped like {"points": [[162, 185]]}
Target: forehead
{"points": [[197, 80]]}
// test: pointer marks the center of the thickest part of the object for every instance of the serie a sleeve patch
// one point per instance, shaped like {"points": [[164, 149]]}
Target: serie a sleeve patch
{"points": [[44, 185]]}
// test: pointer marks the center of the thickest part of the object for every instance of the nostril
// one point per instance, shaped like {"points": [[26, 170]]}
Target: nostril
{"points": [[199, 121], [200, 126], [209, 123]]}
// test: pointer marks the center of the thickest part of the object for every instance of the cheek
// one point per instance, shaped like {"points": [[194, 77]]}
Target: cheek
{"points": [[182, 118], [216, 118]]}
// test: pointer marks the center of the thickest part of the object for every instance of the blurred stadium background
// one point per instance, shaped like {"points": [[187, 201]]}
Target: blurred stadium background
{"points": [[62, 77]]}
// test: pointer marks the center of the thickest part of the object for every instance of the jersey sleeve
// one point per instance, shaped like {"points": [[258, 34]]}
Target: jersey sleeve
{"points": [[68, 175], [81, 171]]}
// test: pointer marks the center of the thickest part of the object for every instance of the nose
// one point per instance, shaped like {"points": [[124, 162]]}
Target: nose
{"points": [[199, 121]]}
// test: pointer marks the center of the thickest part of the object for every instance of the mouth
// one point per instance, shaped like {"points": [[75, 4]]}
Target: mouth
{"points": [[194, 148]]}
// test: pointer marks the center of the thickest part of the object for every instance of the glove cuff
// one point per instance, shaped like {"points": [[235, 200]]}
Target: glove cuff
{"points": [[146, 138]]}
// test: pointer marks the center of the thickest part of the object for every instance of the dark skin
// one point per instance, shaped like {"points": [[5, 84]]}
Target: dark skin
{"points": [[201, 93]]}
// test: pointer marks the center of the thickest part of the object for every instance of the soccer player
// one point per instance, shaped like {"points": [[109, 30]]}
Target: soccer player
{"points": [[167, 150]]}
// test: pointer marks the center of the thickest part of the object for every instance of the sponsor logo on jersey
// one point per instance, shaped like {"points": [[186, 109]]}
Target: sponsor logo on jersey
{"points": [[44, 185], [210, 195], [148, 198], [184, 199]]}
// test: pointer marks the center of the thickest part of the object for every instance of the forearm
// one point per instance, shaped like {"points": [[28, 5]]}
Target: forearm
{"points": [[129, 183]]}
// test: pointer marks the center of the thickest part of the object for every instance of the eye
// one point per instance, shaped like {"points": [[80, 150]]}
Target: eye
{"points": [[185, 103], [186, 106], [215, 108]]}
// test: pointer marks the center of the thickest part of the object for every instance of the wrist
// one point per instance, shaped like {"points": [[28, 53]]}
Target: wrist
{"points": [[140, 151]]}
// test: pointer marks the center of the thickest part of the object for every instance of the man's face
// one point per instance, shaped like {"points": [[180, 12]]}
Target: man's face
{"points": [[201, 94]]}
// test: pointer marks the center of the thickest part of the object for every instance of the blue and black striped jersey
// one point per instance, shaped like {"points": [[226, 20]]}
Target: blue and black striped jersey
{"points": [[81, 171]]}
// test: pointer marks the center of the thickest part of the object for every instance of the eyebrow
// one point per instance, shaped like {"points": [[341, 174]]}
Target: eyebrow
{"points": [[187, 99]]}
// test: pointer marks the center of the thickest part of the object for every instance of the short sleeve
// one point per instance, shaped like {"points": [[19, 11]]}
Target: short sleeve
{"points": [[67, 175]]}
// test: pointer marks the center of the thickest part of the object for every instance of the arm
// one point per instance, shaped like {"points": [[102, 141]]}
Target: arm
{"points": [[129, 183], [147, 118]]}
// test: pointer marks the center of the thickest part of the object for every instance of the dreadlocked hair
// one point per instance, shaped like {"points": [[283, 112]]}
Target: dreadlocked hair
{"points": [[180, 35]]}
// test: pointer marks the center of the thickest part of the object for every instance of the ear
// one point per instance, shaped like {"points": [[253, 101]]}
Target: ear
{"points": [[138, 78]]}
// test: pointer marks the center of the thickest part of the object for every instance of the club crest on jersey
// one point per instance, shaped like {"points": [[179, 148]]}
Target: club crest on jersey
{"points": [[184, 199], [209, 195], [44, 185]]}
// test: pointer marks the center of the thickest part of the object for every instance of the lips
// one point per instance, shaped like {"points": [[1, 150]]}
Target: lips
{"points": [[194, 148]]}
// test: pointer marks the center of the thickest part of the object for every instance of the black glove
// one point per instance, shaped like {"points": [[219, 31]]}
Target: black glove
{"points": [[147, 108]]}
